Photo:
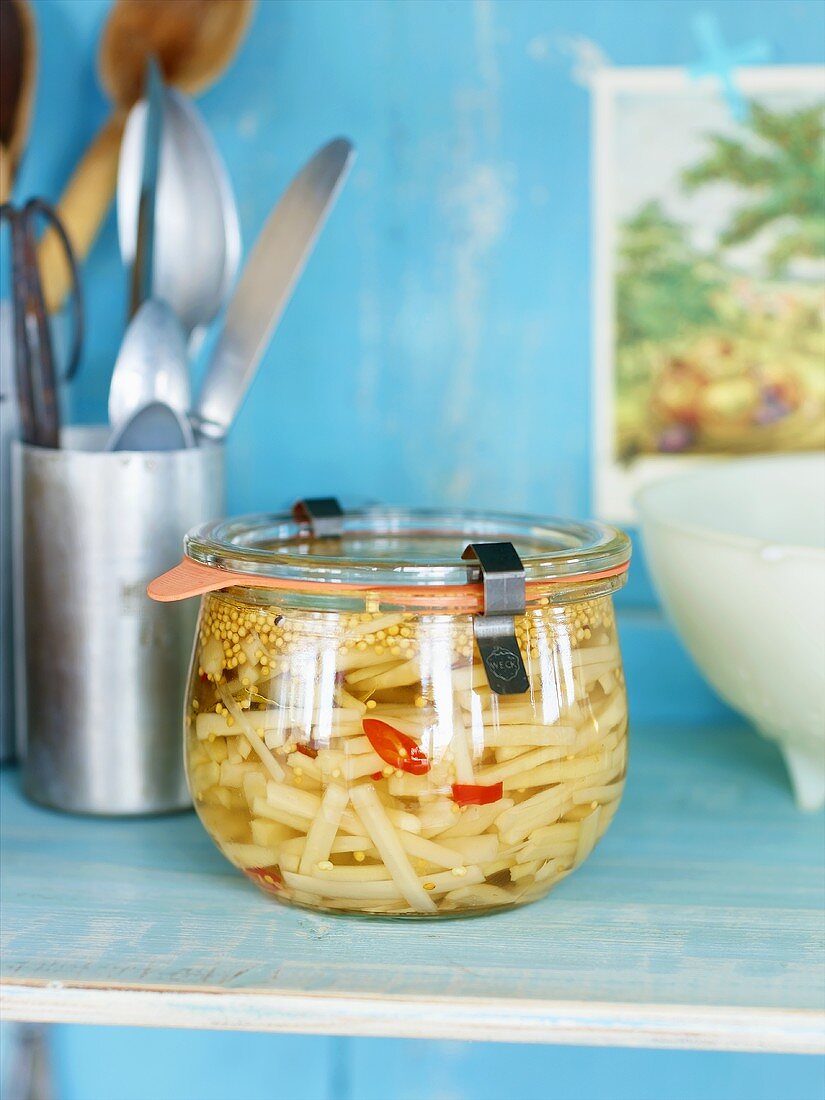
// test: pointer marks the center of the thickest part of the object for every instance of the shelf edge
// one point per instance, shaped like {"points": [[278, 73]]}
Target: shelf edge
{"points": [[687, 1027]]}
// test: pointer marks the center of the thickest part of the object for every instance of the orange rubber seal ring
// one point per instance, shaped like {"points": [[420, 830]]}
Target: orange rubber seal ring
{"points": [[192, 578]]}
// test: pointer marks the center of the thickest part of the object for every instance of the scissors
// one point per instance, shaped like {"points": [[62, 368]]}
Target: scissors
{"points": [[34, 357]]}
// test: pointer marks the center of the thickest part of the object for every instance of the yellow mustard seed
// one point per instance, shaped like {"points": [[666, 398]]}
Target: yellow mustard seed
{"points": [[429, 886], [371, 704], [359, 857]]}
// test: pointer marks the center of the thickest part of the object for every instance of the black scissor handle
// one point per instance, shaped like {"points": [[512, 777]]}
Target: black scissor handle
{"points": [[35, 374], [39, 348], [22, 357], [39, 206]]}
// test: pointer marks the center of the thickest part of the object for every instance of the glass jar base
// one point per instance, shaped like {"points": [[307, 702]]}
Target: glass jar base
{"points": [[358, 762], [284, 898]]}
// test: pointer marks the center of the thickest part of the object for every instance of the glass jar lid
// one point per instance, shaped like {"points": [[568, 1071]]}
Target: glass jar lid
{"points": [[400, 548]]}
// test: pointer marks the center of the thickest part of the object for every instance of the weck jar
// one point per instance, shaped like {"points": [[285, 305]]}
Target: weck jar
{"points": [[404, 713]]}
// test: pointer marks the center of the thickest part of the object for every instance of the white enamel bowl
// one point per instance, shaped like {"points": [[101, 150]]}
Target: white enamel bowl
{"points": [[737, 553]]}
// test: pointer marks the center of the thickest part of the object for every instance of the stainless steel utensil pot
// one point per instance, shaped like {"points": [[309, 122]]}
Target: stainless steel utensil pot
{"points": [[101, 669]]}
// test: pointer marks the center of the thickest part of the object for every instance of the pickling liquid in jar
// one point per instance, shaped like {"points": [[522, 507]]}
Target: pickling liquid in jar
{"points": [[404, 712], [357, 760]]}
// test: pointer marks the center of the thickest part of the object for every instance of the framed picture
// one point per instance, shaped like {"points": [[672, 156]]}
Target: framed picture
{"points": [[709, 272]]}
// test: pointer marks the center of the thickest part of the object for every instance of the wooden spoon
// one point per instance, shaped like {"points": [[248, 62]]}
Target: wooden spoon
{"points": [[193, 42], [18, 70]]}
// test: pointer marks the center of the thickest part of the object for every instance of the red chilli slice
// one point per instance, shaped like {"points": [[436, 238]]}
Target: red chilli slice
{"points": [[268, 878], [396, 748], [476, 794]]}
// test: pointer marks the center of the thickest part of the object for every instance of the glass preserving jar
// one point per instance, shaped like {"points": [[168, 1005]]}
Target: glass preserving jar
{"points": [[377, 724]]}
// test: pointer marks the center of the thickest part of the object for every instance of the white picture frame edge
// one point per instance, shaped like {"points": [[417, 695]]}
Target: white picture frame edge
{"points": [[613, 487]]}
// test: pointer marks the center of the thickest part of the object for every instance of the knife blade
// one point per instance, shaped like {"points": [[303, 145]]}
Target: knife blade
{"points": [[266, 285]]}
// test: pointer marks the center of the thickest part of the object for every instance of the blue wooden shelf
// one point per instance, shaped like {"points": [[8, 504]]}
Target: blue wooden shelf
{"points": [[697, 923]]}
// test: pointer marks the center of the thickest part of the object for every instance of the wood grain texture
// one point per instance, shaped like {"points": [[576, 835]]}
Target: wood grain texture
{"points": [[699, 922]]}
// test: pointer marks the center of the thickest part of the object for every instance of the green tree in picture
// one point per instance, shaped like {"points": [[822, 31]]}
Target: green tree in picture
{"points": [[663, 285], [780, 164]]}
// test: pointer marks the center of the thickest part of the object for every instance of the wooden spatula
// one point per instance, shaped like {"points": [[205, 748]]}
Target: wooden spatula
{"points": [[18, 71]]}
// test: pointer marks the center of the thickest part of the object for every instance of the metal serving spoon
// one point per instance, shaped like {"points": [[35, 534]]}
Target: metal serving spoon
{"points": [[155, 426], [197, 246], [151, 365], [194, 41], [151, 369]]}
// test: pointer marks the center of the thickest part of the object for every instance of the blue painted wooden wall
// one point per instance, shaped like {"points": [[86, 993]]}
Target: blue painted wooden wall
{"points": [[119, 1064], [437, 350]]}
